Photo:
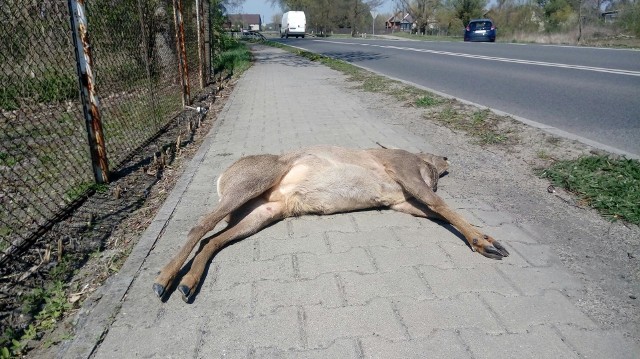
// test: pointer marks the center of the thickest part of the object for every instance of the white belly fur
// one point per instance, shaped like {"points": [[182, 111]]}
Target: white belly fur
{"points": [[328, 184]]}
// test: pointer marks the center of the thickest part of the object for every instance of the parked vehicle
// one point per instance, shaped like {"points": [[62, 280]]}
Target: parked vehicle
{"points": [[294, 23], [480, 30]]}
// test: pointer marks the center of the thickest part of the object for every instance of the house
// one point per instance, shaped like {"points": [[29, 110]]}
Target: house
{"points": [[610, 16], [399, 21], [238, 22]]}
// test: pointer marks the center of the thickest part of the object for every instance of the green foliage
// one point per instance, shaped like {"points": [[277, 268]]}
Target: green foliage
{"points": [[50, 86], [427, 101], [116, 29], [47, 305], [235, 57], [82, 189], [8, 160], [479, 117], [630, 18], [557, 13], [520, 18], [612, 186], [466, 10]]}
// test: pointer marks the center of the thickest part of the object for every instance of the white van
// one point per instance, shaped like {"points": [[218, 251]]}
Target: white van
{"points": [[294, 23]]}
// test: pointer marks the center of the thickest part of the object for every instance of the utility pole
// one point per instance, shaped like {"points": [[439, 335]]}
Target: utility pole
{"points": [[374, 14]]}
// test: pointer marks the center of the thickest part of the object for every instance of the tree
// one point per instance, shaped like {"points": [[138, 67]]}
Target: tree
{"points": [[468, 9], [359, 9], [422, 11], [323, 15], [557, 13], [630, 19]]}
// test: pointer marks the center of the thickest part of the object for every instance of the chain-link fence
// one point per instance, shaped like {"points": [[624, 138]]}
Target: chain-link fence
{"points": [[143, 60]]}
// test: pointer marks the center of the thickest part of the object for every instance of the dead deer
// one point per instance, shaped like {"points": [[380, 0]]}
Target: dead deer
{"points": [[258, 190]]}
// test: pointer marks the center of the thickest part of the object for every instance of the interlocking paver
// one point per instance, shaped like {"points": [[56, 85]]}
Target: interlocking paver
{"points": [[523, 312], [388, 259], [356, 260], [323, 290], [599, 343], [464, 311], [441, 344], [341, 348], [450, 282], [539, 342], [324, 325], [270, 248], [222, 334], [307, 225], [402, 282], [343, 242], [535, 280], [232, 273]]}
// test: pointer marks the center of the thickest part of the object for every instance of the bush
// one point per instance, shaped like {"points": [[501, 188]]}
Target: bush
{"points": [[630, 18], [235, 56]]}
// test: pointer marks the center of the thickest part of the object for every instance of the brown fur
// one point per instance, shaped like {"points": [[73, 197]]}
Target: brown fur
{"points": [[258, 190]]}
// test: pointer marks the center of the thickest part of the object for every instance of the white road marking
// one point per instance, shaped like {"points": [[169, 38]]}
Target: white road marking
{"points": [[500, 59]]}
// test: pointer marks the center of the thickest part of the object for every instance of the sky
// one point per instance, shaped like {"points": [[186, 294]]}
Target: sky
{"points": [[264, 9]]}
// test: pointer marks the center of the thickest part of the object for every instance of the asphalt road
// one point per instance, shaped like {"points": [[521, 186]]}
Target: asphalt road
{"points": [[589, 92]]}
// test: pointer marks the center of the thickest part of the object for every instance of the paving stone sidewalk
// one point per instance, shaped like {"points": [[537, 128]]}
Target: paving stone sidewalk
{"points": [[373, 284]]}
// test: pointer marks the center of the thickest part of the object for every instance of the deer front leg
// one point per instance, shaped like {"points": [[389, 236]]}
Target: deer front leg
{"points": [[409, 178], [478, 241], [252, 218]]}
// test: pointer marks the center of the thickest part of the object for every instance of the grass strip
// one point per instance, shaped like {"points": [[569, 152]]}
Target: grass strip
{"points": [[610, 185]]}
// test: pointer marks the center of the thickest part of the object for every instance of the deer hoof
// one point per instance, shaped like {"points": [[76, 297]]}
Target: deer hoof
{"points": [[186, 291], [158, 289], [501, 249], [494, 251]]}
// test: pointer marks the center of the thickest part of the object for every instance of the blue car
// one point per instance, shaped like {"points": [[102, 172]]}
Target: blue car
{"points": [[480, 30]]}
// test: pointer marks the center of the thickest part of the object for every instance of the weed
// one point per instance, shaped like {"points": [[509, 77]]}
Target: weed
{"points": [[612, 186], [542, 154], [44, 159], [374, 84], [8, 160], [491, 138], [82, 189], [65, 118], [62, 269], [479, 117], [427, 101], [553, 140], [448, 114], [48, 304]]}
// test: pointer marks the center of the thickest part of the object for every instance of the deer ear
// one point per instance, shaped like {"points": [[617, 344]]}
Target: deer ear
{"points": [[430, 175]]}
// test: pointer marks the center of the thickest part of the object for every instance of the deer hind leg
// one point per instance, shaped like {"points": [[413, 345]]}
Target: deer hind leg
{"points": [[407, 173], [244, 180], [248, 220]]}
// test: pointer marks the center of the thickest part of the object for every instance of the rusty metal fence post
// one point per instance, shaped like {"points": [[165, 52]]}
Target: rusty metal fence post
{"points": [[90, 102], [201, 51], [182, 56]]}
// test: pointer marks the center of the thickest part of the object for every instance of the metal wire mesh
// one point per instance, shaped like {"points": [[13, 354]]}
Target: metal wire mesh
{"points": [[45, 162]]}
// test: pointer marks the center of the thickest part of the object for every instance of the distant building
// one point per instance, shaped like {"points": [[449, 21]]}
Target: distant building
{"points": [[399, 21], [238, 22], [610, 16]]}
